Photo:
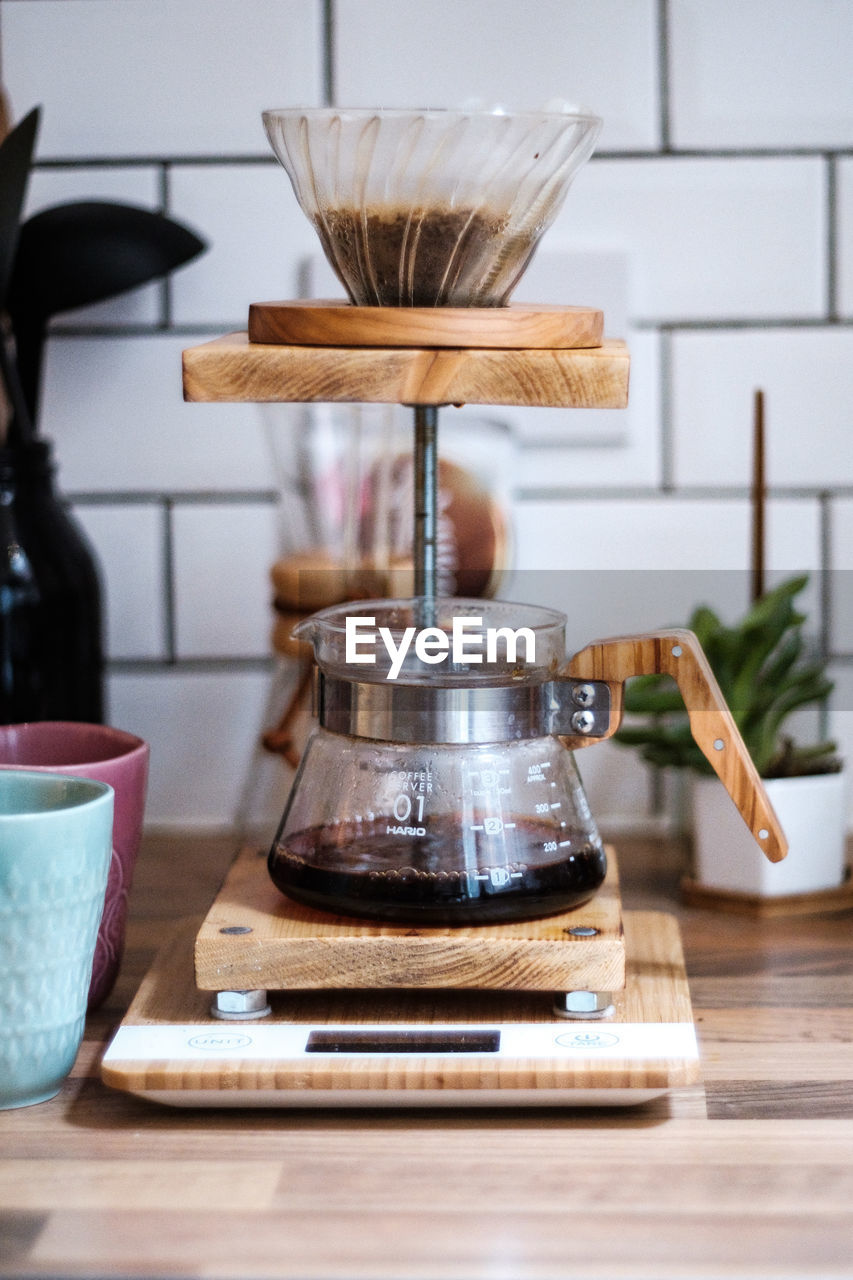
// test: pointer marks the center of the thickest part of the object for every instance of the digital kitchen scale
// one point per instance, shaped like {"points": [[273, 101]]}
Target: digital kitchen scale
{"points": [[326, 1012]]}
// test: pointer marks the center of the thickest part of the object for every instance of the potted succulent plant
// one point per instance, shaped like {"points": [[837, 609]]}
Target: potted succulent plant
{"points": [[765, 674]]}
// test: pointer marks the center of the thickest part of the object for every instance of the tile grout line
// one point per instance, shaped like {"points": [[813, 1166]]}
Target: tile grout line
{"points": [[198, 665], [166, 310], [667, 431], [832, 308], [826, 598], [187, 497], [708, 325], [663, 62], [203, 160], [328, 52], [168, 583], [826, 558]]}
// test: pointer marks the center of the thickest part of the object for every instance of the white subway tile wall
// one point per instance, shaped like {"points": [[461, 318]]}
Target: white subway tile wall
{"points": [[663, 536], [202, 726], [129, 537], [115, 407], [807, 374], [716, 218], [499, 52], [159, 79], [709, 238], [798, 92], [257, 236], [222, 554]]}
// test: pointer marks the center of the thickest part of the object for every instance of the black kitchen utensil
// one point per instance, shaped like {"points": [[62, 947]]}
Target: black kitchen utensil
{"points": [[75, 254], [16, 154]]}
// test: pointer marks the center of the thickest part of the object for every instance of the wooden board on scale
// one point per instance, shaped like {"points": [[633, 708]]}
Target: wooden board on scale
{"points": [[253, 937], [434, 1046]]}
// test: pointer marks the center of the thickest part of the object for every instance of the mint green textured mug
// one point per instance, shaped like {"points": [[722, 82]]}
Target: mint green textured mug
{"points": [[55, 849]]}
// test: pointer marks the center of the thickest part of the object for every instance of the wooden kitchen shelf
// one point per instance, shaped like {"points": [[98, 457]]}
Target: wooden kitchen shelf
{"points": [[231, 369]]}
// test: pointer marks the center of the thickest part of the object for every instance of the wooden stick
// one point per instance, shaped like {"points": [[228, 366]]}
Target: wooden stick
{"points": [[759, 494]]}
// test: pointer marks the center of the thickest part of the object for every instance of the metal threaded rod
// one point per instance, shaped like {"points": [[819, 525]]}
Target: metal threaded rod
{"points": [[426, 505]]}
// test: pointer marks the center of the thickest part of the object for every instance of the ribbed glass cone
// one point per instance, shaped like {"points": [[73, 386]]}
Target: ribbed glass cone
{"points": [[430, 208]]}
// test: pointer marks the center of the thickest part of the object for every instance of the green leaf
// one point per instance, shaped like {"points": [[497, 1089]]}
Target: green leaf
{"points": [[779, 599], [704, 624], [653, 699]]}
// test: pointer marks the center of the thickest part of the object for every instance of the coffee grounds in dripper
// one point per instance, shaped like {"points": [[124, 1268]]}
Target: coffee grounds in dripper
{"points": [[420, 258]]}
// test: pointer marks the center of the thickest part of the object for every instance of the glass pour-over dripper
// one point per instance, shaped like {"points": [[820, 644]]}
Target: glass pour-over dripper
{"points": [[430, 208]]}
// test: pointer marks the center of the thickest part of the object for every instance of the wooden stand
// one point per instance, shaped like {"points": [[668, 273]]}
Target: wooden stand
{"points": [[254, 937], [234, 369], [319, 1010], [433, 1045], [329, 352]]}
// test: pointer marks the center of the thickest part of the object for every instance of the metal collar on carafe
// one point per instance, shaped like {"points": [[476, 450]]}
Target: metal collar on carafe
{"points": [[496, 686]]}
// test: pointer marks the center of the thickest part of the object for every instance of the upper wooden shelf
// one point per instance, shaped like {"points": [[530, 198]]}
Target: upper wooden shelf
{"points": [[232, 368]]}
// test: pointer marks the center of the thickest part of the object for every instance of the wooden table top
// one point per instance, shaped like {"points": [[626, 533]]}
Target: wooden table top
{"points": [[756, 1180]]}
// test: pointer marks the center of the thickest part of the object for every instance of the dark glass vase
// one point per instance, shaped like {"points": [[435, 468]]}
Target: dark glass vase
{"points": [[51, 643]]}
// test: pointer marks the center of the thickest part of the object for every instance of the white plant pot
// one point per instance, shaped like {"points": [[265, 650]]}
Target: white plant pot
{"points": [[812, 812]]}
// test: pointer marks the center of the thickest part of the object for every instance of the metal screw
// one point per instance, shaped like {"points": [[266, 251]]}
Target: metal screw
{"points": [[582, 931], [583, 695], [583, 722], [236, 928]]}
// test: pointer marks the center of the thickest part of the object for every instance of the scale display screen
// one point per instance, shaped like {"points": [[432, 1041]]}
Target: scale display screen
{"points": [[414, 1040]]}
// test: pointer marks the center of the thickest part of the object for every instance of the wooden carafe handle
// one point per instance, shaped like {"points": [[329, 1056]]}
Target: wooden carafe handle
{"points": [[679, 654]]}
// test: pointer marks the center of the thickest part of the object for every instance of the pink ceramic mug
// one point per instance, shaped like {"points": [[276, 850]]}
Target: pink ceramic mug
{"points": [[107, 755]]}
